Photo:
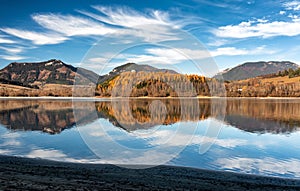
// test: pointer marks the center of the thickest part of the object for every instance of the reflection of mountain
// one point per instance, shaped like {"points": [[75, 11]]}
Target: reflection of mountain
{"points": [[138, 114], [47, 116], [273, 116], [249, 115], [261, 115]]}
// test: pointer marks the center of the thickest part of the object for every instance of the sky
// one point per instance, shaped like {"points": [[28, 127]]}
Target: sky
{"points": [[190, 36]]}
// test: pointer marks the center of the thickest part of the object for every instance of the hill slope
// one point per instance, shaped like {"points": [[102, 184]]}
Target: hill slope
{"points": [[48, 72], [131, 67], [254, 69]]}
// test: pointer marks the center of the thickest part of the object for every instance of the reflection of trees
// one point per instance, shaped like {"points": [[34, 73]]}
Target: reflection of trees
{"points": [[261, 115], [273, 116], [53, 116], [146, 113], [48, 116]]}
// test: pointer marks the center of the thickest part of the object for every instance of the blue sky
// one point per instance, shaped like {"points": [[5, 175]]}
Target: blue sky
{"points": [[181, 35]]}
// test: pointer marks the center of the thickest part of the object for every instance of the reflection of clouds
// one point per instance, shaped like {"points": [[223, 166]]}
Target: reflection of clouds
{"points": [[4, 152], [11, 143], [264, 166], [150, 157], [46, 154], [57, 155], [162, 135], [159, 137], [10, 139]]}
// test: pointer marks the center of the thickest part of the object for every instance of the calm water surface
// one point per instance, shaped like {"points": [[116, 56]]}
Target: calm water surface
{"points": [[256, 136]]}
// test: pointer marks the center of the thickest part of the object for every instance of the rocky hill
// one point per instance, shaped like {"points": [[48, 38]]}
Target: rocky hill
{"points": [[254, 69], [48, 72]]}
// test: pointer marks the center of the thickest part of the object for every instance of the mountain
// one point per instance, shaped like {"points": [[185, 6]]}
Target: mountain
{"points": [[55, 78], [254, 69], [49, 72], [132, 67], [56, 72]]}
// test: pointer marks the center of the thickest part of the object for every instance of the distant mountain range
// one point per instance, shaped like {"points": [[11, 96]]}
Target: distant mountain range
{"points": [[254, 69], [55, 78]]}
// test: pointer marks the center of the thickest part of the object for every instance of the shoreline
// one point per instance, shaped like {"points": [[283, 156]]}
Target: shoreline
{"points": [[116, 98], [23, 173]]}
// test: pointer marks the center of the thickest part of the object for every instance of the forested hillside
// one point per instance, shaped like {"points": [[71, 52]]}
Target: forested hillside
{"points": [[156, 84]]}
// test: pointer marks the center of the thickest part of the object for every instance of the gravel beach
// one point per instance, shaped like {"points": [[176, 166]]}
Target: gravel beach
{"points": [[38, 174]]}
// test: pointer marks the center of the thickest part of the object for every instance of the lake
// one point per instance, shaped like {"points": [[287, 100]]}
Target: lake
{"points": [[255, 136]]}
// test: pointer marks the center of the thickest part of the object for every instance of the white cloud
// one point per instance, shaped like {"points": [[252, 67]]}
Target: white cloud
{"points": [[259, 29], [130, 18], [292, 5], [36, 37], [217, 42], [175, 56], [179, 53], [232, 51], [14, 50], [6, 41], [151, 26], [282, 12], [114, 22], [295, 17], [161, 56], [12, 57], [99, 60], [71, 25], [228, 51]]}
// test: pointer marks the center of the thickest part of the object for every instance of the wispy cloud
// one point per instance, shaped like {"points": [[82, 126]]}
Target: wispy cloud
{"points": [[36, 37], [14, 50], [153, 25], [259, 29], [292, 5], [218, 42], [220, 4], [126, 17], [70, 25], [6, 41], [157, 56], [12, 57], [232, 51]]}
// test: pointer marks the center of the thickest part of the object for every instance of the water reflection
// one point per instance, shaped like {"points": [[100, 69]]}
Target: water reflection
{"points": [[50, 116], [53, 116], [271, 147]]}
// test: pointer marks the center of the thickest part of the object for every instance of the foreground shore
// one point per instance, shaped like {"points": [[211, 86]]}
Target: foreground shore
{"points": [[37, 174]]}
